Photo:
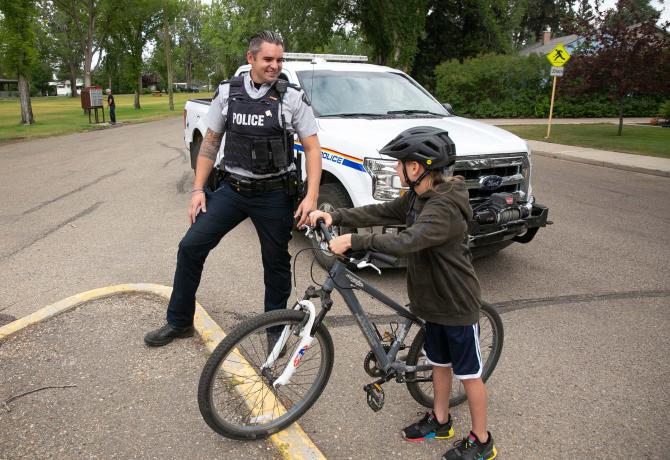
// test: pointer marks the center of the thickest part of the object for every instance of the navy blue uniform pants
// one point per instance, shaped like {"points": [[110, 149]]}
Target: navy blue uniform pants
{"points": [[271, 214]]}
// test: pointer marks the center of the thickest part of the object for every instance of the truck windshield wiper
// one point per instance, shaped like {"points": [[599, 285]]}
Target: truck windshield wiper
{"points": [[352, 115], [415, 112]]}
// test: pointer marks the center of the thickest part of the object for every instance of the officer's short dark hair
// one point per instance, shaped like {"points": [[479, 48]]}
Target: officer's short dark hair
{"points": [[264, 36]]}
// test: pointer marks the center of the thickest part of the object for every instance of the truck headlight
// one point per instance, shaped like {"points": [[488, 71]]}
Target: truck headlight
{"points": [[528, 172], [385, 182]]}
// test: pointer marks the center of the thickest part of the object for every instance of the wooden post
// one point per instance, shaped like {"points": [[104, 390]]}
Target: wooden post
{"points": [[551, 108]]}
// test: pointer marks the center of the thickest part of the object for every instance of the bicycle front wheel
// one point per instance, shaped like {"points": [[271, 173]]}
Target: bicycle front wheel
{"points": [[491, 337], [235, 394]]}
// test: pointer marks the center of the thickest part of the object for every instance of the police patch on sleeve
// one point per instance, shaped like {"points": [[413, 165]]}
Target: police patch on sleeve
{"points": [[305, 99], [216, 93]]}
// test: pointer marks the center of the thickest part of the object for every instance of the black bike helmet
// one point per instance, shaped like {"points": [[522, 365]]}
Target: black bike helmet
{"points": [[432, 147]]}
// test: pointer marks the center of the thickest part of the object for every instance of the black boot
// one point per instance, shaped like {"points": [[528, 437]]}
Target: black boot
{"points": [[167, 334]]}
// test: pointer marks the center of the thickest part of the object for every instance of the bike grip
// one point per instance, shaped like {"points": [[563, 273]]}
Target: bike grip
{"points": [[324, 230], [386, 258]]}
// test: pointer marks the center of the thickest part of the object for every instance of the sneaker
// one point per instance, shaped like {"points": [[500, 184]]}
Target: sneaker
{"points": [[428, 428], [471, 448]]}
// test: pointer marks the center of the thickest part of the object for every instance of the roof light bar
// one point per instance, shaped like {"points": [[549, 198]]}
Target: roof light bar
{"points": [[325, 57]]}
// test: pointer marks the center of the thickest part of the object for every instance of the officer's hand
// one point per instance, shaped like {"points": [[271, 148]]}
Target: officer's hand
{"points": [[314, 216], [340, 244], [198, 204], [306, 206]]}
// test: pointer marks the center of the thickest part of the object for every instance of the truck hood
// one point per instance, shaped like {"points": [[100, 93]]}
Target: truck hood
{"points": [[364, 138]]}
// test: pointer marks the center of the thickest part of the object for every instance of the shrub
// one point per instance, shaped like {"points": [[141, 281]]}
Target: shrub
{"points": [[664, 110], [512, 86]]}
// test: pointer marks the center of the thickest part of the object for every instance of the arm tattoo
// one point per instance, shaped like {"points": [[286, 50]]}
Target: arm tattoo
{"points": [[210, 144]]}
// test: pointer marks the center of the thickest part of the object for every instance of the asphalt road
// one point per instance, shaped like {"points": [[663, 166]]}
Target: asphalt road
{"points": [[586, 303]]}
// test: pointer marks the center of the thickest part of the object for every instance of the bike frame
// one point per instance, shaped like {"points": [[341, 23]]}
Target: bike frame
{"points": [[344, 281]]}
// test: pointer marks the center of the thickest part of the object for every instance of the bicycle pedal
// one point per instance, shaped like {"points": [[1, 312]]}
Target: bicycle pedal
{"points": [[375, 396]]}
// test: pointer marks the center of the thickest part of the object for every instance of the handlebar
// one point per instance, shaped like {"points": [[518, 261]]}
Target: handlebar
{"points": [[324, 230], [386, 258], [364, 261]]}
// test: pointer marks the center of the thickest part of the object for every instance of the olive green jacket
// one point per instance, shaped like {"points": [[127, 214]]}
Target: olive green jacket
{"points": [[441, 282]]}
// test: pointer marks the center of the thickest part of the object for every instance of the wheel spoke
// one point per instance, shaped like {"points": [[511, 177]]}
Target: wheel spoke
{"points": [[235, 394]]}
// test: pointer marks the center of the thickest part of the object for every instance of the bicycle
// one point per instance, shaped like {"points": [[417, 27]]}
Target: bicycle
{"points": [[272, 368]]}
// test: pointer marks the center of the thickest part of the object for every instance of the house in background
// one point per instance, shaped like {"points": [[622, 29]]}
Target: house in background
{"points": [[63, 88], [150, 82], [544, 47], [9, 88]]}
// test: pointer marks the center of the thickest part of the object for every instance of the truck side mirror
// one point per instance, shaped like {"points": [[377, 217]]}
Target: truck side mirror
{"points": [[449, 108]]}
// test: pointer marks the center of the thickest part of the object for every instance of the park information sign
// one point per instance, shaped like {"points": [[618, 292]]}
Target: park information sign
{"points": [[91, 99], [558, 57], [96, 97]]}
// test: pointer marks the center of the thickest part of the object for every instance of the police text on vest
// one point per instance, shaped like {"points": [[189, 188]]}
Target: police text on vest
{"points": [[246, 119]]}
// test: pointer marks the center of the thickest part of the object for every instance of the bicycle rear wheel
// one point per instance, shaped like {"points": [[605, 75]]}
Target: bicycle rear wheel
{"points": [[236, 396], [491, 337]]}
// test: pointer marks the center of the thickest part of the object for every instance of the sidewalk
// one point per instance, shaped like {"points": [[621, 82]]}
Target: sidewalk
{"points": [[637, 163], [562, 121], [628, 162]]}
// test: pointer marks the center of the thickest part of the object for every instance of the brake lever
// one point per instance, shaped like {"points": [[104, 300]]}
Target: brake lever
{"points": [[365, 264], [309, 232]]}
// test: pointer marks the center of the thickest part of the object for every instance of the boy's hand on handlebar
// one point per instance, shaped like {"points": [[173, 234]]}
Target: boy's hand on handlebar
{"points": [[314, 216], [340, 244]]}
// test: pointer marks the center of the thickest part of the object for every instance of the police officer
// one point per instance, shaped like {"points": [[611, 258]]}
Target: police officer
{"points": [[258, 117]]}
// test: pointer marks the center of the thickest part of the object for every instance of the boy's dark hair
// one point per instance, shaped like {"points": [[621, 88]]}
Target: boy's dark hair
{"points": [[264, 36]]}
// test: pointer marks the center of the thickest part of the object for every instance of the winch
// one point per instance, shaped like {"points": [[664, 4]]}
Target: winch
{"points": [[500, 208]]}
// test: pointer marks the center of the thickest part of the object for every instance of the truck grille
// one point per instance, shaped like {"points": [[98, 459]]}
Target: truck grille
{"points": [[512, 169]]}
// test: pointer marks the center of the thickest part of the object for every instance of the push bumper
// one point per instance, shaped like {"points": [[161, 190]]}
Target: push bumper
{"points": [[520, 231]]}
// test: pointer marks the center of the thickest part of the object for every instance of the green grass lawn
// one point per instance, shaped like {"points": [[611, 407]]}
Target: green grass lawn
{"points": [[62, 115], [640, 140]]}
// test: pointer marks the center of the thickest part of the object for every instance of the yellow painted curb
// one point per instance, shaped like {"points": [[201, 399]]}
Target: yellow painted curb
{"points": [[292, 442]]}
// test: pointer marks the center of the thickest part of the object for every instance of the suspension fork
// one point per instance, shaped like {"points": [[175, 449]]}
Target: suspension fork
{"points": [[326, 304], [306, 338]]}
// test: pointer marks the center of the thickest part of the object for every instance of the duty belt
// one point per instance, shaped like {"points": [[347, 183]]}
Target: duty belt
{"points": [[247, 186]]}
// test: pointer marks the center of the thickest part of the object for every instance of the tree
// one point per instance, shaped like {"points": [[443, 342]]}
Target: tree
{"points": [[65, 46], [132, 25], [622, 59], [83, 15], [227, 26], [41, 72], [188, 33], [392, 28], [168, 13], [470, 28], [17, 42], [557, 15]]}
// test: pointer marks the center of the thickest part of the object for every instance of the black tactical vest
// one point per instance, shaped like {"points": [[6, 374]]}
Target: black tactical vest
{"points": [[254, 136]]}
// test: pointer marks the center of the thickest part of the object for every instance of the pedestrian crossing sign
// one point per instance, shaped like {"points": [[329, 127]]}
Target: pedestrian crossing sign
{"points": [[558, 56]]}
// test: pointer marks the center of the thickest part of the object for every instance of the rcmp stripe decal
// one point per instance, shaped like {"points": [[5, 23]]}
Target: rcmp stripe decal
{"points": [[337, 157]]}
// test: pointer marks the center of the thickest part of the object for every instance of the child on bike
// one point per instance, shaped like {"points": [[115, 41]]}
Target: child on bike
{"points": [[441, 282]]}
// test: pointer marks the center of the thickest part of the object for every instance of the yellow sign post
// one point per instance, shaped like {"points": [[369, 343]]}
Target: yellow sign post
{"points": [[558, 57]]}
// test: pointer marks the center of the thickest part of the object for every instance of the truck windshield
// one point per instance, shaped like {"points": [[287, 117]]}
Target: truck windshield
{"points": [[361, 94]]}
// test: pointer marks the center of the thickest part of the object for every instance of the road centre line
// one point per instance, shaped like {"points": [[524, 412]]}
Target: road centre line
{"points": [[293, 442]]}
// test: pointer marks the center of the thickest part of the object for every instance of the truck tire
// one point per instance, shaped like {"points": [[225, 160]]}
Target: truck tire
{"points": [[195, 148], [331, 196], [213, 180]]}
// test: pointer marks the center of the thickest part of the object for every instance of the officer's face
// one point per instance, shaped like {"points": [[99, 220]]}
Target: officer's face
{"points": [[267, 64]]}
